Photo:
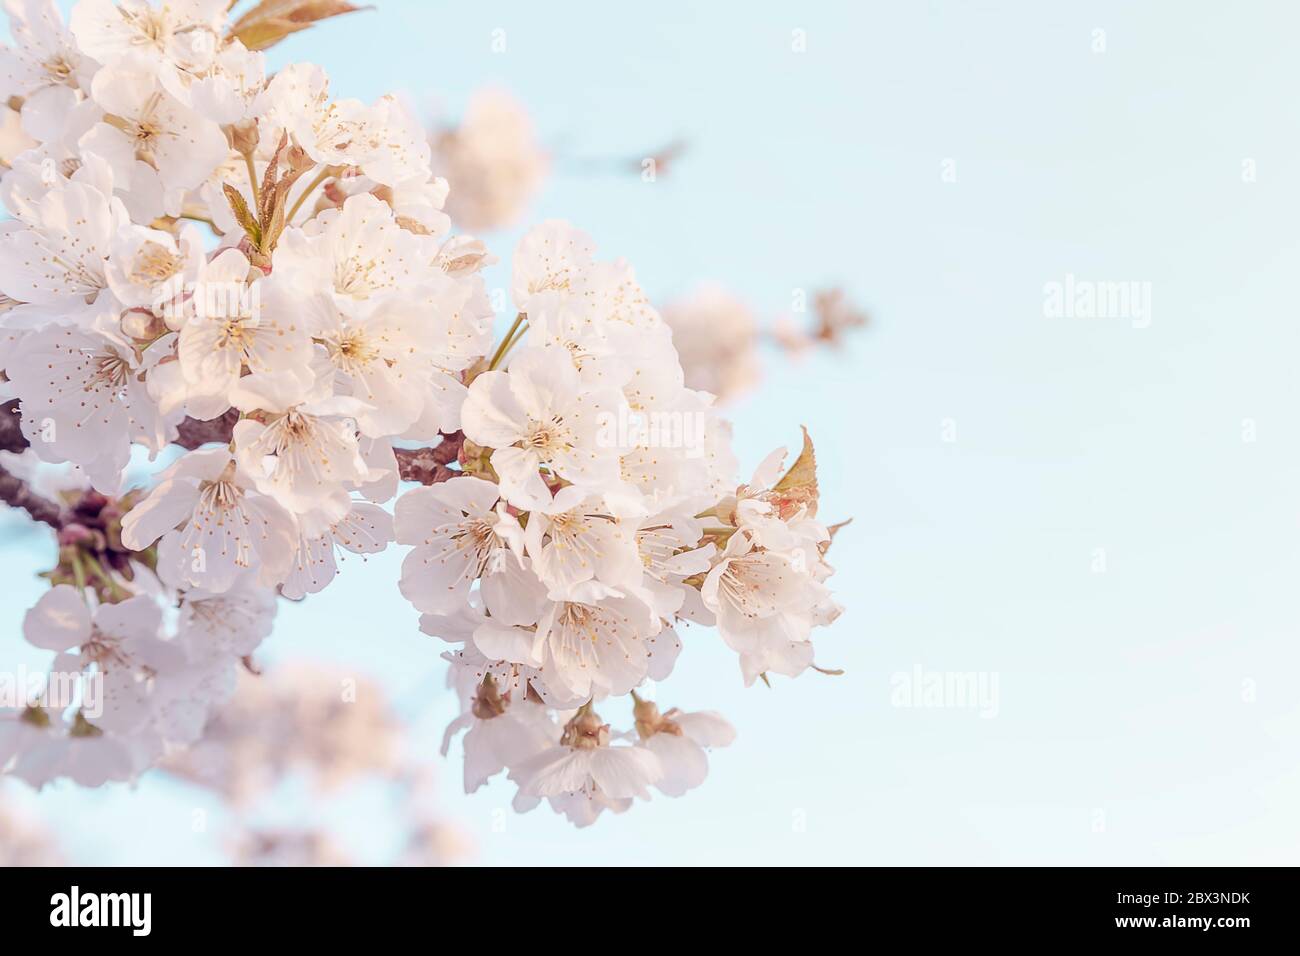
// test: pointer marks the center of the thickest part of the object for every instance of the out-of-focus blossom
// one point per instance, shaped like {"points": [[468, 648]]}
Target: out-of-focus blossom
{"points": [[492, 160], [285, 847], [716, 336], [834, 316], [324, 723], [24, 840]]}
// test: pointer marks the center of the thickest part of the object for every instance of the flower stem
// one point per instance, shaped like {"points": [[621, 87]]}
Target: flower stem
{"points": [[508, 341], [116, 590], [78, 571], [323, 175]]}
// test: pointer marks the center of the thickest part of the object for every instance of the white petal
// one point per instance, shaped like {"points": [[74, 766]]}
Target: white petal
{"points": [[170, 503], [684, 763], [59, 620], [513, 644], [707, 728], [625, 771]]}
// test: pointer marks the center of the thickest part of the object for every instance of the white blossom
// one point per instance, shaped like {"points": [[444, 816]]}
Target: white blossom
{"points": [[680, 741], [214, 523], [327, 345], [143, 123], [537, 416], [45, 68], [83, 400]]}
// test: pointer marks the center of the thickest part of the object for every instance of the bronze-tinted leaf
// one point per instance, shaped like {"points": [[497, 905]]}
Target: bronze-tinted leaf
{"points": [[266, 199], [272, 20], [243, 215], [799, 485]]}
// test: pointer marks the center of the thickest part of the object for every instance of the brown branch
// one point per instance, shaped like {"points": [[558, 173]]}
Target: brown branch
{"points": [[11, 433], [428, 465], [15, 492], [18, 494], [191, 433]]}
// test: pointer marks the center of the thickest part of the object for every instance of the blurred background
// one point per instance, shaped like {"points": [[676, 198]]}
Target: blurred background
{"points": [[1096, 516]]}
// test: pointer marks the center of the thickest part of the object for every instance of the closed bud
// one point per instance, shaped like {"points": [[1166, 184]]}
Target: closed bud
{"points": [[243, 137], [586, 731], [142, 325]]}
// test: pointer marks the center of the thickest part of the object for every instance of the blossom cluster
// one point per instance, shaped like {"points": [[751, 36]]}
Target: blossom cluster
{"points": [[577, 499], [597, 508]]}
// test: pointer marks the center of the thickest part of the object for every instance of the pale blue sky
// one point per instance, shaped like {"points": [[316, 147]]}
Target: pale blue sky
{"points": [[1122, 735]]}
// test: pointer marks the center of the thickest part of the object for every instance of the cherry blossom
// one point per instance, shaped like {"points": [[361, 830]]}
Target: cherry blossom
{"points": [[213, 522], [583, 774], [53, 255], [144, 124], [145, 36], [541, 416], [84, 400], [680, 741], [236, 322], [45, 70], [463, 533]]}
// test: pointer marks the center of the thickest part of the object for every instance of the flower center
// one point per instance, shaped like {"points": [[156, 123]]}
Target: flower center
{"points": [[352, 350], [58, 68], [478, 536], [155, 263], [103, 650], [355, 278], [550, 437], [111, 372], [149, 26], [235, 333]]}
